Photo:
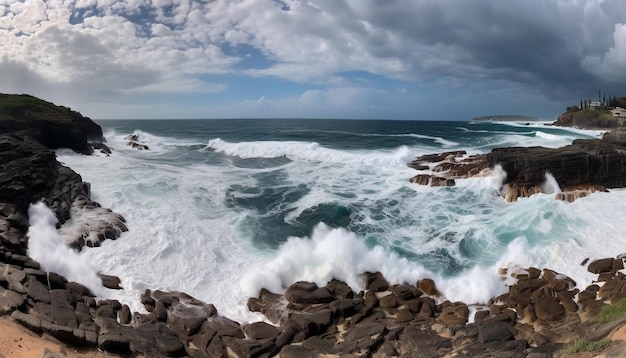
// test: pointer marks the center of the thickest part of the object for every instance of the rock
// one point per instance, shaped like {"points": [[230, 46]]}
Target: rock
{"points": [[404, 315], [405, 292], [494, 332], [308, 293], [389, 301], [14, 277], [36, 290], [375, 281], [311, 323], [225, 327], [363, 338], [454, 315], [31, 322], [413, 339], [125, 315], [549, 309], [339, 289], [260, 330], [112, 282], [428, 286], [56, 314], [602, 265], [346, 307], [10, 301], [134, 142], [272, 305]]}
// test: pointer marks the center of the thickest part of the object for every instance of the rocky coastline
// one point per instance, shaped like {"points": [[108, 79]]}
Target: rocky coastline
{"points": [[542, 310], [581, 168]]}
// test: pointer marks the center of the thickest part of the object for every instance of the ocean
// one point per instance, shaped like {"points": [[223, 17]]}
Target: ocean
{"points": [[222, 208]]}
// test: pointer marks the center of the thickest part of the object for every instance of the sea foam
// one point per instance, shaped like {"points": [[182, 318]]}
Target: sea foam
{"points": [[187, 233], [46, 246]]}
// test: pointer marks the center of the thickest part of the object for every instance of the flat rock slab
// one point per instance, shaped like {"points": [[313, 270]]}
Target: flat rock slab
{"points": [[10, 301]]}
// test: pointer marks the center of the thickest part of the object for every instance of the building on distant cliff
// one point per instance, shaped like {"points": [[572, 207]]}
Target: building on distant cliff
{"points": [[619, 112], [595, 104]]}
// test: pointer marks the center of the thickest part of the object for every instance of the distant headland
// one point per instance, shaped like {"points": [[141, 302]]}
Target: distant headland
{"points": [[606, 113], [506, 118]]}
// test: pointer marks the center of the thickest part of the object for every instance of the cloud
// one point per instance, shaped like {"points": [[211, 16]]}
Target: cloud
{"points": [[610, 66], [112, 50]]}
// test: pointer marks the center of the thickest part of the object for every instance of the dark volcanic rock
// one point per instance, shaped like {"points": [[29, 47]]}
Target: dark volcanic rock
{"points": [[59, 127], [308, 293]]}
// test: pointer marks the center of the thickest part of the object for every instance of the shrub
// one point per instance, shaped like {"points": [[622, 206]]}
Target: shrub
{"points": [[583, 345], [612, 312]]}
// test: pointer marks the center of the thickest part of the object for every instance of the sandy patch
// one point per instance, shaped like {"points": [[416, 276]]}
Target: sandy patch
{"points": [[18, 342]]}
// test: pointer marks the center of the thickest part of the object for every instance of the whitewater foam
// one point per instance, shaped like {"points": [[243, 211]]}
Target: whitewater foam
{"points": [[46, 246], [194, 216]]}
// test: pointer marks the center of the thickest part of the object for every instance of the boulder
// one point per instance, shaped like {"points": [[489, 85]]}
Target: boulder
{"points": [[452, 315], [494, 332], [308, 293], [600, 266], [549, 309], [10, 301], [260, 330], [375, 281], [428, 286]]}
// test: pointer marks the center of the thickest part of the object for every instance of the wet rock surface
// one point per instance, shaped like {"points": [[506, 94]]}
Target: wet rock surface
{"points": [[583, 167]]}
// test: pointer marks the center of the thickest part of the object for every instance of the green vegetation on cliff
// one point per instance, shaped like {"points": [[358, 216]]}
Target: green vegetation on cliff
{"points": [[55, 126], [27, 107], [588, 118]]}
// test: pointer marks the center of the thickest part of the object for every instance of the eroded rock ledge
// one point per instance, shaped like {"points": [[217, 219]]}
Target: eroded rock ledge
{"points": [[583, 167]]}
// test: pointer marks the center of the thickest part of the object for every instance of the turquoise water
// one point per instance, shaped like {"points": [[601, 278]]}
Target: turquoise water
{"points": [[221, 208]]}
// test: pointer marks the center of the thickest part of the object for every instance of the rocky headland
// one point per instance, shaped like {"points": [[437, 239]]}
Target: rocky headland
{"points": [[542, 310], [581, 168]]}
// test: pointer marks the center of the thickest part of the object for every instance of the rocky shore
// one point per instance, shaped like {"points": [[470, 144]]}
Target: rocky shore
{"points": [[581, 168], [542, 310]]}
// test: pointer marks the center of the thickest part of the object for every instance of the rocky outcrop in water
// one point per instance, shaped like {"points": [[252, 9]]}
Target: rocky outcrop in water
{"points": [[583, 167]]}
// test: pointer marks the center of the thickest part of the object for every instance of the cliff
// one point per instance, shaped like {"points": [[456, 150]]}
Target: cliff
{"points": [[51, 125], [589, 119]]}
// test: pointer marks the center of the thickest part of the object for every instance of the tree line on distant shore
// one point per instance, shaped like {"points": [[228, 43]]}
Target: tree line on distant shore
{"points": [[604, 101]]}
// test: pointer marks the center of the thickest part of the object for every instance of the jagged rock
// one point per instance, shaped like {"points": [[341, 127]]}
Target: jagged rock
{"points": [[125, 315], [388, 301], [454, 314], [272, 305], [428, 286], [339, 289], [14, 278], [109, 281], [36, 290], [225, 327], [308, 293], [346, 307], [134, 142], [10, 301], [426, 342], [311, 323], [244, 348], [260, 330], [363, 338], [375, 281]]}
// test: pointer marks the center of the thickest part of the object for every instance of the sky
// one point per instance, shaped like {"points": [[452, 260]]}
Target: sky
{"points": [[391, 59]]}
